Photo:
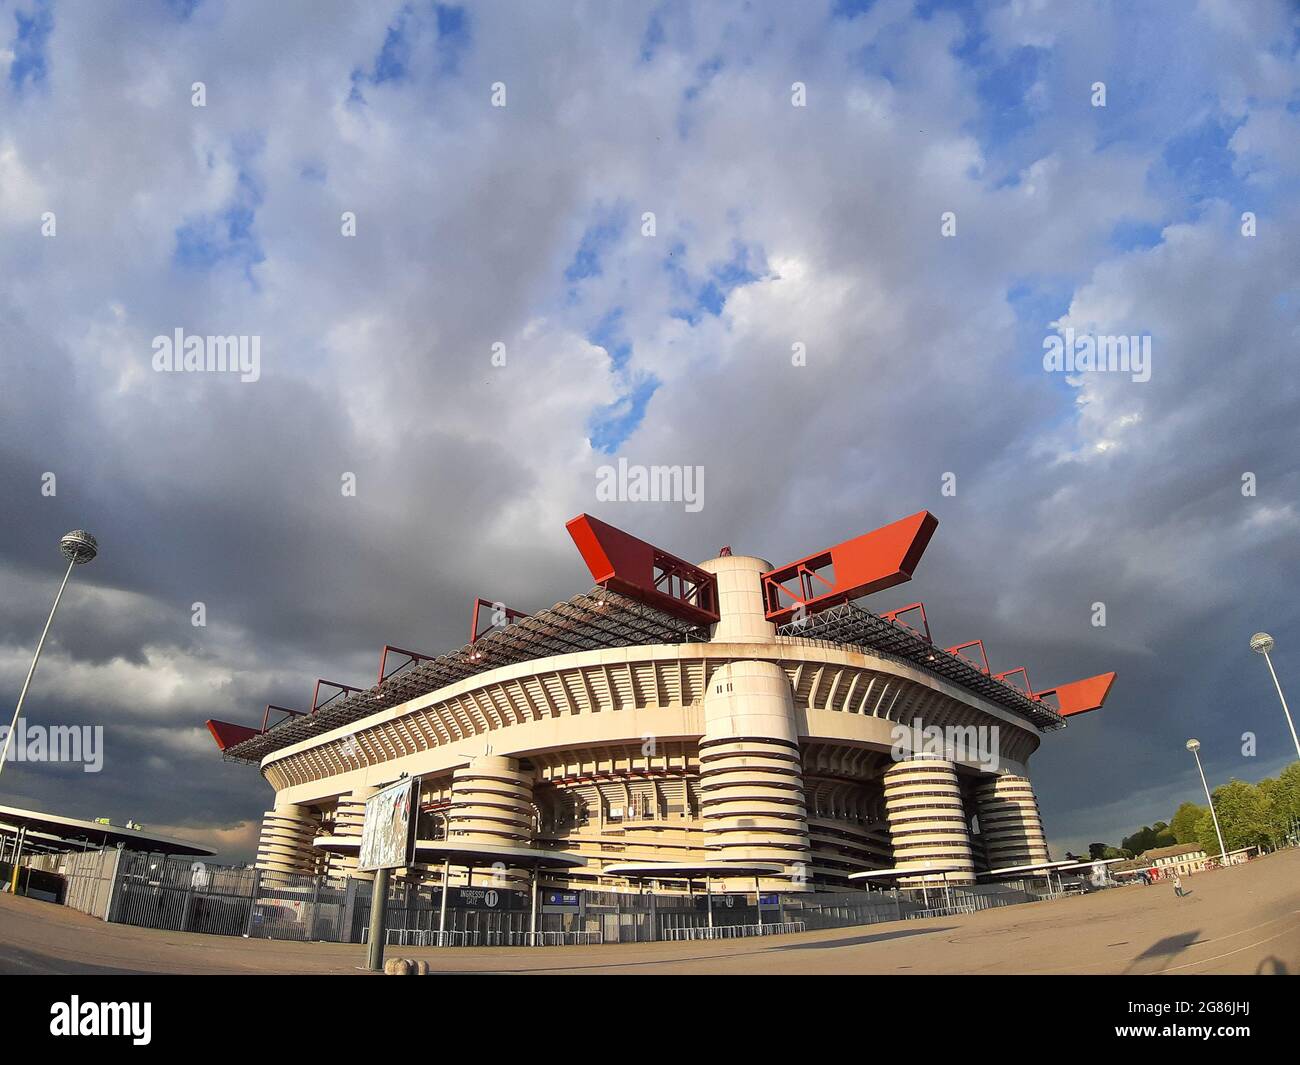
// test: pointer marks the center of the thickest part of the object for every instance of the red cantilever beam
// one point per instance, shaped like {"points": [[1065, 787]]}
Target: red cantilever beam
{"points": [[475, 633], [1080, 696], [641, 571], [868, 563], [897, 616], [959, 648], [227, 734]]}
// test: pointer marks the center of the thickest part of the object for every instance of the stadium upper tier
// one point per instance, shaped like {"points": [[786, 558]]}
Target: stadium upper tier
{"points": [[645, 597]]}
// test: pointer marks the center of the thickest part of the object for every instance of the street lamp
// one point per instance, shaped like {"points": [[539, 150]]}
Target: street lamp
{"points": [[1261, 643], [78, 547], [1194, 746]]}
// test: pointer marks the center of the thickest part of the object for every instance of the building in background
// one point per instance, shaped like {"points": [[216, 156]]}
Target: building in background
{"points": [[700, 716]]}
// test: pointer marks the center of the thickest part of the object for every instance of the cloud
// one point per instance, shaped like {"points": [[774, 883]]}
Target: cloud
{"points": [[522, 226]]}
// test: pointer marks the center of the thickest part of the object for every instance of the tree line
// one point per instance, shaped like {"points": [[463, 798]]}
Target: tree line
{"points": [[1265, 814]]}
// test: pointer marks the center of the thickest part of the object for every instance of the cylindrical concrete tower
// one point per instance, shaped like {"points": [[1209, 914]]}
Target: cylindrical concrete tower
{"points": [[1009, 822], [285, 846], [927, 823], [751, 780], [491, 802], [743, 618]]}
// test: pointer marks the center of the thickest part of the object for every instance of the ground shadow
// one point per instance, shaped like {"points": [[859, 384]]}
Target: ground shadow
{"points": [[856, 941], [1155, 956]]}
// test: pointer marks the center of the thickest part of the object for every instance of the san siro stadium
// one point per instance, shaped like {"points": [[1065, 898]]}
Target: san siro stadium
{"points": [[735, 721]]}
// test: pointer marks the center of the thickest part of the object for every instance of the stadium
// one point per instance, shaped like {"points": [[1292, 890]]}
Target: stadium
{"points": [[731, 720]]}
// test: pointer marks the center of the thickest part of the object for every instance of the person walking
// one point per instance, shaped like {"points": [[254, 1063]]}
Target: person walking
{"points": [[1178, 885]]}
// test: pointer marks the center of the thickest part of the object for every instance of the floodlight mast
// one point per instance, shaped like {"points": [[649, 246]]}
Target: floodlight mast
{"points": [[1194, 745], [1262, 643], [78, 547]]}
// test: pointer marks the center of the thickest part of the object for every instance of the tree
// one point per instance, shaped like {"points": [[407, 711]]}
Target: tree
{"points": [[1241, 816], [1141, 840], [1185, 821], [1205, 834], [1280, 804], [1148, 837], [1288, 790]]}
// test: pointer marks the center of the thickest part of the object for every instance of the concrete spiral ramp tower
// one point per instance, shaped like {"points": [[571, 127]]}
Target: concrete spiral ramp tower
{"points": [[285, 846], [927, 822], [492, 803], [1010, 824]]}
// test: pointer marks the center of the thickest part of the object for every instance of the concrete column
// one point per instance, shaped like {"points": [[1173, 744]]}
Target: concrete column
{"points": [[1009, 821], [751, 778], [285, 846], [927, 823]]}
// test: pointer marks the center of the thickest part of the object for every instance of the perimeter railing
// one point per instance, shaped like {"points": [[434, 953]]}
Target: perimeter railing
{"points": [[734, 931], [182, 895], [424, 937]]}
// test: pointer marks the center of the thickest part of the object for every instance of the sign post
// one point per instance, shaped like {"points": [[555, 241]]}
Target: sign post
{"points": [[378, 911], [387, 842]]}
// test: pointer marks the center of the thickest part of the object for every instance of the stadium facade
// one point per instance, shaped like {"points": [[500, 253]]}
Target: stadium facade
{"points": [[721, 714]]}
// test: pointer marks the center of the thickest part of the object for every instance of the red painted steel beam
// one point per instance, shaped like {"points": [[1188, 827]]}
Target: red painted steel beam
{"points": [[410, 656], [964, 646], [1028, 689], [316, 704], [641, 571], [474, 633], [897, 616], [287, 710], [869, 563], [1080, 696], [227, 734]]}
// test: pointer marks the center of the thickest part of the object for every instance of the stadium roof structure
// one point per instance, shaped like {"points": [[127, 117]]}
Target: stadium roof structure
{"points": [[597, 619], [645, 595], [848, 625]]}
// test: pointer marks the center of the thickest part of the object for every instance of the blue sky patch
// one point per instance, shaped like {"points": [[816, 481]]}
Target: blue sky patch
{"points": [[446, 33], [597, 239], [652, 38], [207, 240], [1004, 91], [29, 66], [183, 9], [708, 295], [1201, 162], [1129, 235], [612, 425]]}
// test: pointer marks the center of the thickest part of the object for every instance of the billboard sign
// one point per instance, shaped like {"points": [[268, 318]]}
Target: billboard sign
{"points": [[561, 898], [388, 834]]}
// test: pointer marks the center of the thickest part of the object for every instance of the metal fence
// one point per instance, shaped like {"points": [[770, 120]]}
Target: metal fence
{"points": [[85, 878], [735, 931], [178, 894]]}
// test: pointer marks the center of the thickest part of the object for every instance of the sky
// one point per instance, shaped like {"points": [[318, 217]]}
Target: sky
{"points": [[913, 194]]}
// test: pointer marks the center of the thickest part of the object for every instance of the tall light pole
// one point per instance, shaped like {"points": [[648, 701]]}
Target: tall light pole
{"points": [[78, 547], [1194, 746], [1261, 643]]}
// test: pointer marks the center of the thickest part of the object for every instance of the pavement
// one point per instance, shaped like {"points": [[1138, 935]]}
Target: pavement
{"points": [[1244, 919]]}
